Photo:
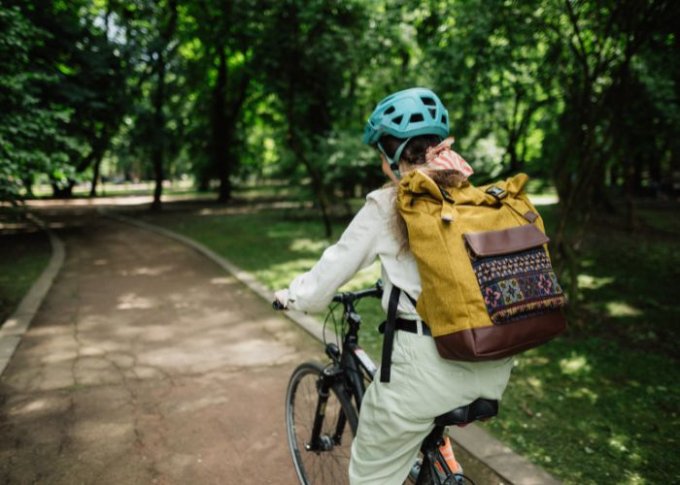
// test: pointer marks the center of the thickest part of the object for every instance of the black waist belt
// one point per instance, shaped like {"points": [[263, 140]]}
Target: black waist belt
{"points": [[407, 326], [393, 323]]}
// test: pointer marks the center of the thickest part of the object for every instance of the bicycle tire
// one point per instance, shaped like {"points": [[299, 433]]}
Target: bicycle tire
{"points": [[318, 467]]}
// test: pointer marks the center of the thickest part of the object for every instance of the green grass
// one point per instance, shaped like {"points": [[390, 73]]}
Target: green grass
{"points": [[597, 405], [23, 257], [262, 190], [591, 411], [125, 189], [600, 404]]}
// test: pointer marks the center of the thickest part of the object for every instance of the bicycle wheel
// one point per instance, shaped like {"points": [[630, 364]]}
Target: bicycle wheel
{"points": [[329, 466]]}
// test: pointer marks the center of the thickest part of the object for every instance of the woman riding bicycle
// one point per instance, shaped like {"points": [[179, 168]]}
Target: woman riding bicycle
{"points": [[409, 130]]}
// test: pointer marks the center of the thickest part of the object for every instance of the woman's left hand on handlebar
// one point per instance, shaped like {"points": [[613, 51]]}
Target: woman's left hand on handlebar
{"points": [[281, 301]]}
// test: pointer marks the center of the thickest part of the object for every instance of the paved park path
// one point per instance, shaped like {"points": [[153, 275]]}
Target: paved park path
{"points": [[146, 364]]}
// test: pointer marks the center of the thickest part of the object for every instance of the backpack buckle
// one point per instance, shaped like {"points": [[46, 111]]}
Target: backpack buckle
{"points": [[496, 192]]}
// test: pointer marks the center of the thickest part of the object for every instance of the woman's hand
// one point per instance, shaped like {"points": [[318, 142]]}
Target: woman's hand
{"points": [[281, 299]]}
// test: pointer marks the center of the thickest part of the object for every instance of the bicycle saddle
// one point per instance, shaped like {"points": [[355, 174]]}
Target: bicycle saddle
{"points": [[478, 410]]}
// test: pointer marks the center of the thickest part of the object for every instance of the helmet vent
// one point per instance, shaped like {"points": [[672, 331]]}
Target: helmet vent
{"points": [[390, 110], [443, 118], [398, 119], [433, 112], [416, 117], [428, 101]]}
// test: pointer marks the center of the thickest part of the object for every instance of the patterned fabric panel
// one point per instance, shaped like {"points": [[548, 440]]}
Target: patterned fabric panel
{"points": [[518, 285]]}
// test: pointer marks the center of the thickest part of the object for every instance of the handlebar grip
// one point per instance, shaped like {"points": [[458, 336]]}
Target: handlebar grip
{"points": [[277, 305]]}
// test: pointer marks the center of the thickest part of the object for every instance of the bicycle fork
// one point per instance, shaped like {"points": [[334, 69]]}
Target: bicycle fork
{"points": [[318, 441]]}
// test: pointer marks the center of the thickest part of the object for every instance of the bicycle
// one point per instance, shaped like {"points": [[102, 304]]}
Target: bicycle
{"points": [[323, 404]]}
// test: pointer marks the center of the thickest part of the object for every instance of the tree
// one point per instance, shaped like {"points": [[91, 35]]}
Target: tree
{"points": [[161, 50], [310, 58], [599, 43], [490, 63], [559, 81], [87, 68], [33, 131], [149, 29], [225, 36]]}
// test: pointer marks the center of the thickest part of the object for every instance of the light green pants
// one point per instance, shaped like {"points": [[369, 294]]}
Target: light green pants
{"points": [[396, 416]]}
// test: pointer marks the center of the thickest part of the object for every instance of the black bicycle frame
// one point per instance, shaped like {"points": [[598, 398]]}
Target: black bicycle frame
{"points": [[350, 363], [350, 366]]}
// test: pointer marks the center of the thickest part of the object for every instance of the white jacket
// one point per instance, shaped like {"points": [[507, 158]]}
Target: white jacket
{"points": [[370, 235]]}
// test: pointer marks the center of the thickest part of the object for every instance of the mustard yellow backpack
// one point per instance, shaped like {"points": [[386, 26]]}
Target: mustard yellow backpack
{"points": [[488, 287]]}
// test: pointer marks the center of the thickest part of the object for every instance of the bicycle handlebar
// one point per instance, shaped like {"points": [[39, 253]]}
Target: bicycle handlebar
{"points": [[347, 296], [351, 296]]}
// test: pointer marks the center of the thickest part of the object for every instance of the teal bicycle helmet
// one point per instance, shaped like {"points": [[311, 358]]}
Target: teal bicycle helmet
{"points": [[405, 114]]}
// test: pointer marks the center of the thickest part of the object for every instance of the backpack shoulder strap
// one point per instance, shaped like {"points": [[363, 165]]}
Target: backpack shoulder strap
{"points": [[388, 342], [387, 328]]}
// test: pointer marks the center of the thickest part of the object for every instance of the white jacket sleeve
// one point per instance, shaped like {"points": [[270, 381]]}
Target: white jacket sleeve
{"points": [[356, 249]]}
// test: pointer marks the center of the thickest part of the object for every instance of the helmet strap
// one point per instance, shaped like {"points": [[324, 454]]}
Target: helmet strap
{"points": [[397, 154], [394, 161]]}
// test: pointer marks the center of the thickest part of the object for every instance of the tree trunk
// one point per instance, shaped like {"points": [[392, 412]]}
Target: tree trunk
{"points": [[95, 177], [27, 182], [655, 177], [158, 152], [629, 192], [220, 132], [324, 204], [65, 192], [318, 188]]}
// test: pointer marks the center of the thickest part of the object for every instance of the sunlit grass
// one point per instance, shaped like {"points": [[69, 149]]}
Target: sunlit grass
{"points": [[593, 412], [586, 281], [621, 309], [575, 364]]}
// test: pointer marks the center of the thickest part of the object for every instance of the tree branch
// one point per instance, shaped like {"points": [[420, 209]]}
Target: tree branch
{"points": [[582, 55]]}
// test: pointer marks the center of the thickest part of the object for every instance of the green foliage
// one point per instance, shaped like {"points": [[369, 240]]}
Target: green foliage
{"points": [[62, 84], [349, 166], [33, 136], [310, 57], [221, 77], [585, 93]]}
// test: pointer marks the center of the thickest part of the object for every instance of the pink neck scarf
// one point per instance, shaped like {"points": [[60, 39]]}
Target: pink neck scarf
{"points": [[441, 157]]}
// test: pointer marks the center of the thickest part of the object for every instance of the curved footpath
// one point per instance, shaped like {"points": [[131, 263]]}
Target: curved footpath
{"points": [[146, 363]]}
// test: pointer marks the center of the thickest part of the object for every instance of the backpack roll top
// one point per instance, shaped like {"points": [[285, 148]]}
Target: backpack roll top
{"points": [[488, 287]]}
